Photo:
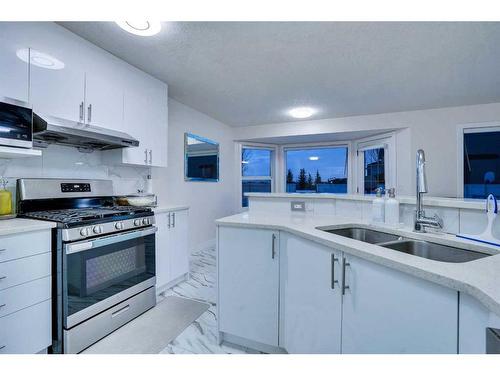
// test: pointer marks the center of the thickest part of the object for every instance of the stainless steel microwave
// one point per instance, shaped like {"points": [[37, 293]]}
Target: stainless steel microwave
{"points": [[16, 124]]}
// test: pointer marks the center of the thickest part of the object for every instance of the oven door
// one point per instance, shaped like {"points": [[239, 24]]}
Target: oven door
{"points": [[16, 124], [100, 273]]}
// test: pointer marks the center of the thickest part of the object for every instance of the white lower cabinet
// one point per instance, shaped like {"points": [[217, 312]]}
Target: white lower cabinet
{"points": [[329, 301], [310, 297], [474, 320], [248, 282], [387, 311], [25, 293], [172, 251]]}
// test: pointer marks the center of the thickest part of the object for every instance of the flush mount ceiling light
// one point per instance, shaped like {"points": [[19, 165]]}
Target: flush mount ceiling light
{"points": [[301, 112], [142, 28], [313, 158], [40, 59]]}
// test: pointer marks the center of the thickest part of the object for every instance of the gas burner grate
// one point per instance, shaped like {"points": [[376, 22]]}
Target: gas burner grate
{"points": [[84, 214]]}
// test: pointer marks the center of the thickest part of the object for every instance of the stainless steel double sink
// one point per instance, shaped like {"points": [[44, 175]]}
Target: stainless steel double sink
{"points": [[423, 249]]}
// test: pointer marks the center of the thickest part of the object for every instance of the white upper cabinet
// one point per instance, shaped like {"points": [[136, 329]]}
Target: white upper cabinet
{"points": [[14, 72], [57, 77], [104, 90], [146, 118]]}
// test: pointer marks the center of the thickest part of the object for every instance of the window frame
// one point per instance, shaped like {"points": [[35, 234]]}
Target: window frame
{"points": [[312, 146], [386, 141], [241, 178], [480, 127]]}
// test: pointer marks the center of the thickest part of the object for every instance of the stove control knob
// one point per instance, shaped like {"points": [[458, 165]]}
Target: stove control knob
{"points": [[137, 222], [119, 225], [145, 221], [97, 229], [84, 232]]}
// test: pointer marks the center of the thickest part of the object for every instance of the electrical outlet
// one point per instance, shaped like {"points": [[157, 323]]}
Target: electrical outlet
{"points": [[298, 205]]}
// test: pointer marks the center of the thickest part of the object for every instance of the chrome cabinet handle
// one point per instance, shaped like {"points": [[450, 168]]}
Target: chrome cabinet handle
{"points": [[89, 113], [3, 277], [2, 250], [334, 259], [273, 249], [344, 266], [3, 305], [150, 156], [173, 220], [169, 220], [81, 111], [146, 156], [2, 346]]}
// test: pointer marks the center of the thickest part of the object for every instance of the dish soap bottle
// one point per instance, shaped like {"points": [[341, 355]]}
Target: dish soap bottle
{"points": [[392, 208], [5, 198], [378, 207]]}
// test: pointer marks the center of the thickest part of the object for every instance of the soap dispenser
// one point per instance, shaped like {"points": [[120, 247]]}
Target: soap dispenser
{"points": [[378, 207], [5, 198], [392, 208]]}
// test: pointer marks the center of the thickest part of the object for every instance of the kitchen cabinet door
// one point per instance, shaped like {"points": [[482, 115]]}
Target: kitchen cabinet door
{"points": [[387, 311], [475, 318], [162, 260], [248, 281], [104, 97], [59, 88], [179, 252], [310, 297], [14, 72]]}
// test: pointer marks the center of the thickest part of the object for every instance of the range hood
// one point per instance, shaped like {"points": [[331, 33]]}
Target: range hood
{"points": [[87, 138]]}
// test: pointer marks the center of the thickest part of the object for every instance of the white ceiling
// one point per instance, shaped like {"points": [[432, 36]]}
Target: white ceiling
{"points": [[249, 73]]}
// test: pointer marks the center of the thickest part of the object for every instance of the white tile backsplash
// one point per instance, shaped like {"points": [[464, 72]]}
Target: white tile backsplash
{"points": [[68, 162]]}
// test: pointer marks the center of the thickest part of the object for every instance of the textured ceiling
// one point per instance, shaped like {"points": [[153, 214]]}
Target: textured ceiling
{"points": [[249, 73]]}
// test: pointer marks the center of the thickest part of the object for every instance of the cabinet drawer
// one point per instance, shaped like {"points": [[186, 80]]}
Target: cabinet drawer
{"points": [[22, 270], [24, 295], [27, 331], [24, 245]]}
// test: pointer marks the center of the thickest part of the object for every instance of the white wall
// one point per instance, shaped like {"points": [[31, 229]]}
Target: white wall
{"points": [[208, 201], [433, 130]]}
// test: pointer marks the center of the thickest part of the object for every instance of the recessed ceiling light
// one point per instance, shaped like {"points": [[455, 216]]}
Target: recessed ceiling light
{"points": [[302, 112], [40, 59], [313, 158], [142, 28]]}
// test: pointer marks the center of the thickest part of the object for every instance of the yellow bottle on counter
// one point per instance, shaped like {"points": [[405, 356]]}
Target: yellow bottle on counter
{"points": [[5, 199]]}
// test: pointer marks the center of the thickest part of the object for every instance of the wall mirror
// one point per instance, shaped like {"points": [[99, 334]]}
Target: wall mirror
{"points": [[201, 158]]}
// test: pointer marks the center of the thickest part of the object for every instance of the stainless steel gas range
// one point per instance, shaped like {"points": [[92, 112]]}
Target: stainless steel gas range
{"points": [[103, 257]]}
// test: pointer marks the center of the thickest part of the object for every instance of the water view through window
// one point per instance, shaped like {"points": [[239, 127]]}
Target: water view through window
{"points": [[316, 170]]}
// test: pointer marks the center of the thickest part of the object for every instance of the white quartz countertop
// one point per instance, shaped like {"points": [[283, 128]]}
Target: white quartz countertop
{"points": [[13, 226], [479, 278], [474, 204], [169, 208]]}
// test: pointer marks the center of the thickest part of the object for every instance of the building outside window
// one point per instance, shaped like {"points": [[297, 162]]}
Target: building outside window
{"points": [[481, 164], [316, 169], [256, 171]]}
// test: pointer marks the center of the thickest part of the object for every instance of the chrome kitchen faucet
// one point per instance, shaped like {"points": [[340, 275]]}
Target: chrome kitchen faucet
{"points": [[421, 221]]}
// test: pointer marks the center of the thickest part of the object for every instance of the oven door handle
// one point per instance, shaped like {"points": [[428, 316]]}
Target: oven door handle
{"points": [[108, 240]]}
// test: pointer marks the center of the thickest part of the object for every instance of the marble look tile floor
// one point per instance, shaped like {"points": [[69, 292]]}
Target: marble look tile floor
{"points": [[201, 336]]}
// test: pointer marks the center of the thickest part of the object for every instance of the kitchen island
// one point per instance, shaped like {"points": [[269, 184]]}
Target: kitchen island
{"points": [[287, 286]]}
